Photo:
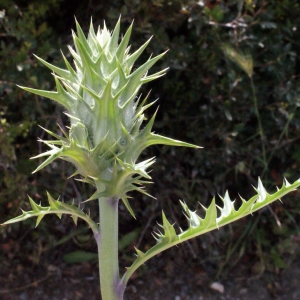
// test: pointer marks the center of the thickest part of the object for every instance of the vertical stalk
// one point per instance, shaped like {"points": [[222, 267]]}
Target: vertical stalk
{"points": [[107, 243], [284, 131], [260, 128]]}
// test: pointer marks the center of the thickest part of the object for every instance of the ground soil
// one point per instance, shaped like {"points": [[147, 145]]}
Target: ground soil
{"points": [[163, 278]]}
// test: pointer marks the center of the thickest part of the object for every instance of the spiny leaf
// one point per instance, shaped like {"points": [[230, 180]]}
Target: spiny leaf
{"points": [[76, 57], [128, 206], [228, 206], [146, 132], [70, 69], [82, 38], [143, 69], [55, 207], [140, 253], [61, 99], [53, 154], [75, 219], [136, 77], [38, 220], [35, 207], [154, 76], [55, 135], [123, 44], [113, 42], [54, 204], [210, 219], [61, 72], [158, 139], [169, 230], [198, 226], [133, 57], [261, 191]]}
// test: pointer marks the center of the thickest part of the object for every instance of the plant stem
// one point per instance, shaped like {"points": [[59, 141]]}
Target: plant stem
{"points": [[107, 243], [284, 131], [260, 128]]}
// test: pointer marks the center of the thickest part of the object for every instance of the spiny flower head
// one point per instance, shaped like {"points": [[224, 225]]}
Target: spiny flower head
{"points": [[100, 96]]}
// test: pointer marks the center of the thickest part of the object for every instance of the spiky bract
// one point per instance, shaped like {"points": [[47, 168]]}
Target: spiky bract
{"points": [[105, 136]]}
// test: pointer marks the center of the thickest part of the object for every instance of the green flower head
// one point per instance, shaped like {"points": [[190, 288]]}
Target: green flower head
{"points": [[100, 93]]}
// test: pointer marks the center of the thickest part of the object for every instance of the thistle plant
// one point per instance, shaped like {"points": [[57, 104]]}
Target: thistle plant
{"points": [[100, 94]]}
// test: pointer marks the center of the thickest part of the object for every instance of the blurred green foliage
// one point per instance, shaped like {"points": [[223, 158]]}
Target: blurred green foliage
{"points": [[206, 98]]}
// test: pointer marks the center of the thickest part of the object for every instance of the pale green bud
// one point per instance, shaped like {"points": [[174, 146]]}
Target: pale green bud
{"points": [[100, 95]]}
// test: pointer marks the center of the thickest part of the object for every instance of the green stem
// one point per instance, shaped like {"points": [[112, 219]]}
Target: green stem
{"points": [[107, 243]]}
